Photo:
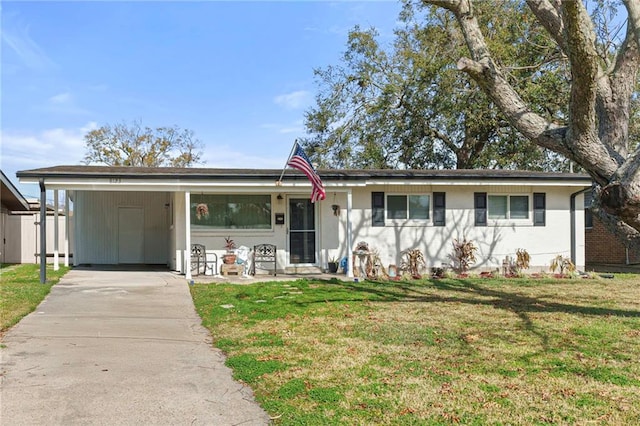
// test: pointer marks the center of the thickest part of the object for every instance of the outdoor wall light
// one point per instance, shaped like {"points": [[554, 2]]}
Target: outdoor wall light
{"points": [[336, 209]]}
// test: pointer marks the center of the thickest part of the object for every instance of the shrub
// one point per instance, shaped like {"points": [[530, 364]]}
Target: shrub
{"points": [[464, 254], [412, 263], [522, 260], [564, 264]]}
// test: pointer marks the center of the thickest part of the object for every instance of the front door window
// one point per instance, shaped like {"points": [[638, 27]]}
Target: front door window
{"points": [[302, 233]]}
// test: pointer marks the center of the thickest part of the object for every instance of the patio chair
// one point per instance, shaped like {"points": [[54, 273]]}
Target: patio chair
{"points": [[203, 262], [264, 255]]}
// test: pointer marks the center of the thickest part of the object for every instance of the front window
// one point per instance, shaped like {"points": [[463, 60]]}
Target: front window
{"points": [[231, 211], [588, 213], [508, 207], [413, 207]]}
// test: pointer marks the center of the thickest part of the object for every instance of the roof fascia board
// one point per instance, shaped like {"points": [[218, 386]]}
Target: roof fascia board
{"points": [[482, 182], [174, 185]]}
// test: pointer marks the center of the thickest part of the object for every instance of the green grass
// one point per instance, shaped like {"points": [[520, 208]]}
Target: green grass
{"points": [[21, 291], [473, 351]]}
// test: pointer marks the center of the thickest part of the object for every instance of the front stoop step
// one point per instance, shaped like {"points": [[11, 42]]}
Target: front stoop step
{"points": [[302, 270]]}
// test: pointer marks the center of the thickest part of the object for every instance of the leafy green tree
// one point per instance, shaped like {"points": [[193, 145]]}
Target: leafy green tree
{"points": [[409, 107], [133, 145], [600, 120]]}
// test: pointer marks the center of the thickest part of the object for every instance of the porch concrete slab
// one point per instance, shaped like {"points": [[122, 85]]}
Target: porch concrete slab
{"points": [[119, 348]]}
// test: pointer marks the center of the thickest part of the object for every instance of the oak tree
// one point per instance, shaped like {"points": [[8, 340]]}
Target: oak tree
{"points": [[407, 106], [134, 145], [599, 128]]}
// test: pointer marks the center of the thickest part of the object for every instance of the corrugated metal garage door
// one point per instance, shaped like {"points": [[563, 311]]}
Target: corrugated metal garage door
{"points": [[121, 227]]}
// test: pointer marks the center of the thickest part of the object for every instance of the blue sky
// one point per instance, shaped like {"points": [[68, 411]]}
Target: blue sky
{"points": [[239, 74]]}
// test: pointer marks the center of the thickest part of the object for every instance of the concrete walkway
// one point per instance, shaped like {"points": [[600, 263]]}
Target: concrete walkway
{"points": [[115, 347]]}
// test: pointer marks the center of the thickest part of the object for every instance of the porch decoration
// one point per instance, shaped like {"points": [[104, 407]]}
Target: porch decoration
{"points": [[362, 254], [230, 256], [376, 269], [202, 211]]}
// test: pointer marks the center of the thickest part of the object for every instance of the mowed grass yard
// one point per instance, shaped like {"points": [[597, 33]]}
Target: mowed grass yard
{"points": [[21, 291], [472, 351]]}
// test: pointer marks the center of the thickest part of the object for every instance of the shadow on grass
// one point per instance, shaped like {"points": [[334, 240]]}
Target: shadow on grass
{"points": [[469, 292], [478, 295]]}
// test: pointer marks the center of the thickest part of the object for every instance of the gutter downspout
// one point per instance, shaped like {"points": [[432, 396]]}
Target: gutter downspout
{"points": [[573, 222], [43, 232], [349, 235]]}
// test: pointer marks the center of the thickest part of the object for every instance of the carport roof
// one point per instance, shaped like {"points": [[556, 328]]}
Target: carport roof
{"points": [[230, 175]]}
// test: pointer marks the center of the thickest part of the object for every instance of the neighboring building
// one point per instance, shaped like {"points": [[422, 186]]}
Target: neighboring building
{"points": [[19, 224], [11, 200], [151, 215], [602, 247]]}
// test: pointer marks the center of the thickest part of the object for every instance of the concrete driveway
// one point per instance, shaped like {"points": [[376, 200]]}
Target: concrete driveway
{"points": [[116, 347]]}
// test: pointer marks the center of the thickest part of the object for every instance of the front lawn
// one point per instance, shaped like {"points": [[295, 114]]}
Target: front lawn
{"points": [[472, 351], [21, 291]]}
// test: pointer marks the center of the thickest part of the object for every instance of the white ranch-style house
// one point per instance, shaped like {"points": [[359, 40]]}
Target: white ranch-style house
{"points": [[129, 215]]}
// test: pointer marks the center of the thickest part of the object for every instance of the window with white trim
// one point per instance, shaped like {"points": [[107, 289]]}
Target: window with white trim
{"points": [[505, 207], [588, 213], [414, 207], [231, 211]]}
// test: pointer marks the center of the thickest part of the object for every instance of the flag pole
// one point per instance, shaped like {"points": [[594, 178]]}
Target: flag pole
{"points": [[279, 181]]}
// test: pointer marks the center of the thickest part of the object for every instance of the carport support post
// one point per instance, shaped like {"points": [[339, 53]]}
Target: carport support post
{"points": [[349, 236], [187, 237], [56, 236], [43, 232], [66, 228]]}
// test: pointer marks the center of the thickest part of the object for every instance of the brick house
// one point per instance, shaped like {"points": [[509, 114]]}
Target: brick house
{"points": [[601, 245]]}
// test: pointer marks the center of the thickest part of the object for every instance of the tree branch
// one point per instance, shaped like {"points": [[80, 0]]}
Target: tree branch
{"points": [[633, 11], [615, 89], [603, 160], [548, 14]]}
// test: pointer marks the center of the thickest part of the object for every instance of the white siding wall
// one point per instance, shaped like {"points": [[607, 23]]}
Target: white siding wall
{"points": [[494, 241], [97, 225]]}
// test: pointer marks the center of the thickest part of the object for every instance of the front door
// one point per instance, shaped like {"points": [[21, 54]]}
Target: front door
{"points": [[302, 232], [130, 235]]}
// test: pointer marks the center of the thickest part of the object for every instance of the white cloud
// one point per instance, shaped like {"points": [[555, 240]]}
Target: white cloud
{"points": [[226, 157], [294, 127], [50, 147], [293, 100], [61, 98], [64, 103], [16, 35]]}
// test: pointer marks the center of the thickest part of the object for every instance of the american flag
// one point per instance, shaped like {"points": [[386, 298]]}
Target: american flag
{"points": [[300, 161]]}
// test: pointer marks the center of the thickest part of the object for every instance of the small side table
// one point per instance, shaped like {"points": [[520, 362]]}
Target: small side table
{"points": [[231, 269]]}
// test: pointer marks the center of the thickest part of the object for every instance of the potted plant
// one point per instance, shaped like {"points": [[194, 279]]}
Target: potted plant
{"points": [[333, 265], [230, 256]]}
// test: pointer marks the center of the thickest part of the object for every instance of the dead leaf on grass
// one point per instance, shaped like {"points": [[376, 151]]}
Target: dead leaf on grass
{"points": [[270, 358], [567, 393], [446, 388], [470, 338], [451, 417]]}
